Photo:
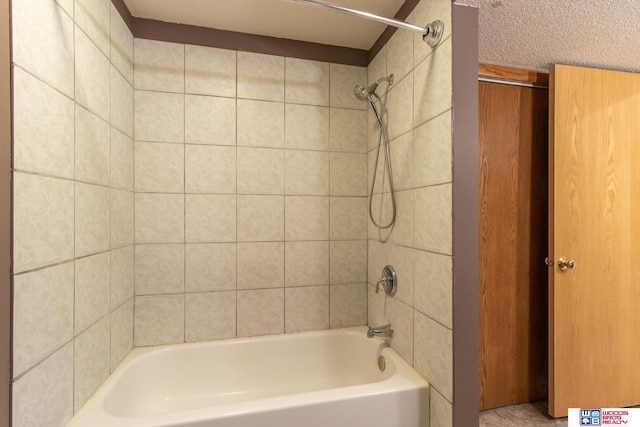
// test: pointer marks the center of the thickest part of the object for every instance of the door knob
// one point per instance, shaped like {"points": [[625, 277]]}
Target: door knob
{"points": [[565, 264]]}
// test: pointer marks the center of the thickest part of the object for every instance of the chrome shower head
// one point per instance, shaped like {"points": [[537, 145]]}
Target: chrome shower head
{"points": [[364, 93]]}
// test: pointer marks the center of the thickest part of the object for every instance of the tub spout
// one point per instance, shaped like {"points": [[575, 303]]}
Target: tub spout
{"points": [[380, 331]]}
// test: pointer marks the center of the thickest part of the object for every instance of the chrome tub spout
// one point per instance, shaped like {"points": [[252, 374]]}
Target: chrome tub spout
{"points": [[380, 331]]}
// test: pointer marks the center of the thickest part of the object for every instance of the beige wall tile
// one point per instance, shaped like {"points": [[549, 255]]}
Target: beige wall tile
{"points": [[348, 218], [201, 128], [306, 263], [400, 53], [260, 312], [433, 278], [306, 82], [378, 66], [93, 219], [402, 157], [307, 127], [159, 218], [210, 316], [92, 153], [348, 174], [343, 79], [348, 130], [348, 305], [260, 171], [306, 172], [434, 204], [348, 261], [121, 218], [122, 267], [381, 183], [432, 151], [42, 314], [432, 92], [159, 65], [210, 218], [377, 315], [158, 116], [400, 316], [159, 167], [121, 333], [260, 265], [210, 267], [93, 16], [260, 123], [92, 76], [44, 395], [210, 71], [376, 260], [43, 221], [210, 169], [92, 361], [121, 45], [306, 308], [260, 76], [121, 102], [307, 218], [121, 160], [440, 411], [400, 107], [43, 142], [159, 269], [159, 319], [42, 37], [403, 229], [92, 290], [433, 354], [260, 218]]}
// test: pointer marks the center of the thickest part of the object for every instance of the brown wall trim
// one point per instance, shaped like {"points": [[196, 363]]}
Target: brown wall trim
{"points": [[189, 34], [501, 72], [5, 214], [179, 33], [466, 389]]}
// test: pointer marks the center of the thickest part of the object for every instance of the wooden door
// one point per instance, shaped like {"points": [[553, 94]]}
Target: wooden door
{"points": [[594, 308], [513, 126]]}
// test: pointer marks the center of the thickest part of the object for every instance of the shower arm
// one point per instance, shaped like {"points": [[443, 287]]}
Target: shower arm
{"points": [[431, 34]]}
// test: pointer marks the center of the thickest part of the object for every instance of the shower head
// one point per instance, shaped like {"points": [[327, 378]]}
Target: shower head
{"points": [[364, 93]]}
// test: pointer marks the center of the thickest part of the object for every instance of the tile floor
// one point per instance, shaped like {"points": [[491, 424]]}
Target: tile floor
{"points": [[523, 415]]}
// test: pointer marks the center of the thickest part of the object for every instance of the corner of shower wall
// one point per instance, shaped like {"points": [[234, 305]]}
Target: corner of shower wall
{"points": [[250, 194], [419, 245], [73, 204]]}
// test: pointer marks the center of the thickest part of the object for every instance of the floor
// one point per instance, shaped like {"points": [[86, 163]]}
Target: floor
{"points": [[523, 415]]}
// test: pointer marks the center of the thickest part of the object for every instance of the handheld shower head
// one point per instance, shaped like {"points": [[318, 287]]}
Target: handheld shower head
{"points": [[364, 93]]}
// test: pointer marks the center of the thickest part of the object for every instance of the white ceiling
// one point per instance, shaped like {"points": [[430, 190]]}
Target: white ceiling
{"points": [[529, 34], [533, 34], [277, 18]]}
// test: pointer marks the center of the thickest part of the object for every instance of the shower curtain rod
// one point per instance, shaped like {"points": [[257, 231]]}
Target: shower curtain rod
{"points": [[431, 34]]}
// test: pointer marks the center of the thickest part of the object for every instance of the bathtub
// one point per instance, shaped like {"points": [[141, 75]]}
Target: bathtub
{"points": [[310, 379]]}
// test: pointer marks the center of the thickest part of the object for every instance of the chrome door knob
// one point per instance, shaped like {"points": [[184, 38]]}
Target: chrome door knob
{"points": [[565, 264]]}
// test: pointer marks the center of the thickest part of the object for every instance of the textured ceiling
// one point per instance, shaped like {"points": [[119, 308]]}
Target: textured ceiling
{"points": [[533, 34], [276, 18]]}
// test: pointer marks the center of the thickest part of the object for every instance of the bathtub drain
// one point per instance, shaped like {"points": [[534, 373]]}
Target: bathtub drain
{"points": [[382, 364]]}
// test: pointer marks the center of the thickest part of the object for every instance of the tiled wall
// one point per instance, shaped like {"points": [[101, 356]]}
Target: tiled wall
{"points": [[73, 204], [250, 194], [420, 244]]}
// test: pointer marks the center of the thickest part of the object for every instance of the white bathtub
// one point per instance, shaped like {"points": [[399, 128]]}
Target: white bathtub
{"points": [[311, 379]]}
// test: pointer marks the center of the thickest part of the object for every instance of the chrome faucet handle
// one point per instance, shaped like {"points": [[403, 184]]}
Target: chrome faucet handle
{"points": [[389, 281]]}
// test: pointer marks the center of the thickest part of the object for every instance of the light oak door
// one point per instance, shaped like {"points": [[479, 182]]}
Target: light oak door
{"points": [[594, 221]]}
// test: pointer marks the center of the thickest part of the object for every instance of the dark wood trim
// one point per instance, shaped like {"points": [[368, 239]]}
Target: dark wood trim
{"points": [[466, 398], [189, 34], [5, 214], [513, 74]]}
